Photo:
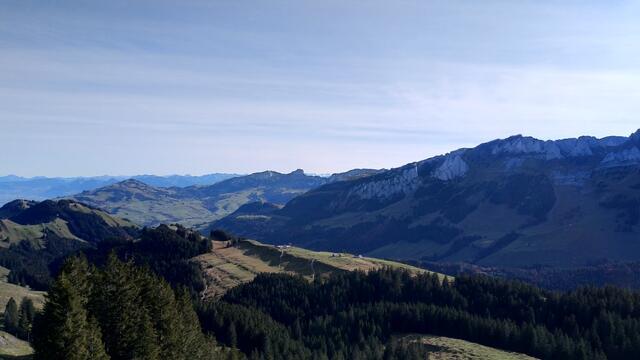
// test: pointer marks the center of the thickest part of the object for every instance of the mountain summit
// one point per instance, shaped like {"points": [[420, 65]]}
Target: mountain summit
{"points": [[513, 201], [199, 205]]}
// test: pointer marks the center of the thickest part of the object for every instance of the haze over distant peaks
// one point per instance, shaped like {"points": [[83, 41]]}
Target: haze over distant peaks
{"points": [[40, 187], [198, 205]]}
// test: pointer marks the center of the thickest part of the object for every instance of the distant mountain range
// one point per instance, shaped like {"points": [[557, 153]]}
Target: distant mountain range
{"points": [[510, 202], [39, 188], [199, 205]]}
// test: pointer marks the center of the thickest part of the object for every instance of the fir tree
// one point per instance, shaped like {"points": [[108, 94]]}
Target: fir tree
{"points": [[65, 331], [11, 317], [124, 309], [233, 336], [27, 313], [127, 327], [195, 343]]}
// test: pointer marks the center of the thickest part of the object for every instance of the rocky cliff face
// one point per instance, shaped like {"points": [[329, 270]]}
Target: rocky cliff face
{"points": [[512, 201], [628, 156], [402, 183], [558, 149], [512, 153], [452, 167]]}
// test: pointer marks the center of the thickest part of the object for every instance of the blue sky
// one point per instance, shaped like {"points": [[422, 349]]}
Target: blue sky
{"points": [[128, 87]]}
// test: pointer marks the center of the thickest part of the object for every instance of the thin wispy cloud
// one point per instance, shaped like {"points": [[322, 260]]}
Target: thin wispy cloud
{"points": [[195, 87]]}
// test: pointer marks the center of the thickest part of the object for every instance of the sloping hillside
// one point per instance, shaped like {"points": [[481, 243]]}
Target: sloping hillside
{"points": [[41, 188], [64, 218], [38, 236], [145, 204], [13, 233], [229, 265], [15, 207], [445, 348], [515, 202], [200, 205], [14, 348], [8, 291], [196, 205]]}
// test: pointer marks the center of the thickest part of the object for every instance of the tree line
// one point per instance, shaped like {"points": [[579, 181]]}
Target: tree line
{"points": [[130, 300], [354, 315], [600, 273], [165, 249]]}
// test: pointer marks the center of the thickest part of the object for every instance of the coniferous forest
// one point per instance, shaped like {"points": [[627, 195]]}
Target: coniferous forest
{"points": [[118, 310], [353, 315], [319, 180], [125, 299]]}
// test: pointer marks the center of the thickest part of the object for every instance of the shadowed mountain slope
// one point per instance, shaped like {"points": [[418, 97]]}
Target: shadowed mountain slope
{"points": [[515, 201], [66, 219]]}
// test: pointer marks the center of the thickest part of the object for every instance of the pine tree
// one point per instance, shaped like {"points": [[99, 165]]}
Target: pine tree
{"points": [[141, 317], [233, 336], [196, 345], [128, 331], [159, 301], [64, 331], [297, 330], [94, 340], [27, 313], [125, 310], [11, 317]]}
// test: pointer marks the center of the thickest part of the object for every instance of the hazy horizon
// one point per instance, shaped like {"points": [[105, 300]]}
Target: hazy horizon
{"points": [[258, 170], [197, 87]]}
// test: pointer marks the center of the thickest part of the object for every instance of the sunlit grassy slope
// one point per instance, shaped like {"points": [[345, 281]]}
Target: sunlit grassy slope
{"points": [[12, 233], [8, 291], [13, 348], [229, 266], [196, 206], [443, 348]]}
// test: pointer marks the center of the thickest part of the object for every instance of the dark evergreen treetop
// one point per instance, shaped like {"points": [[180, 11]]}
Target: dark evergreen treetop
{"points": [[353, 315], [11, 317], [118, 312]]}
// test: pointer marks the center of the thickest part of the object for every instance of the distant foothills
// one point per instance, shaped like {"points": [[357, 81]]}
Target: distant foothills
{"points": [[232, 270], [511, 202], [41, 187]]}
